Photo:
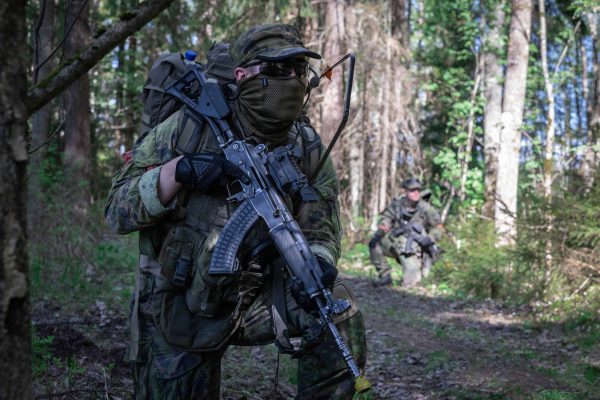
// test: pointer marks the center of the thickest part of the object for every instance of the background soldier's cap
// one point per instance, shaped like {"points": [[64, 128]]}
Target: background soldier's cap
{"points": [[269, 42], [411, 183]]}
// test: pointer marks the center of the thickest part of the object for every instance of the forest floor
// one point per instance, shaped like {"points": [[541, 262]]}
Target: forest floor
{"points": [[421, 346]]}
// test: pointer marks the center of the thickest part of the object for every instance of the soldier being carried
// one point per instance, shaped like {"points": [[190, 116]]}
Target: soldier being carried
{"points": [[408, 230]]}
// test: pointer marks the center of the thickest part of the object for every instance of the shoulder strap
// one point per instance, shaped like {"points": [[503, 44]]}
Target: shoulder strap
{"points": [[310, 142]]}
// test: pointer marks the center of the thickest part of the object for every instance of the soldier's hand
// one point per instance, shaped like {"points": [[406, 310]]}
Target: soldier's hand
{"points": [[426, 242], [298, 291], [376, 238], [330, 272], [203, 170]]}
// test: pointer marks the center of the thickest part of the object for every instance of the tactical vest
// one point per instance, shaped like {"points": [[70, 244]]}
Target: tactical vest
{"points": [[193, 310]]}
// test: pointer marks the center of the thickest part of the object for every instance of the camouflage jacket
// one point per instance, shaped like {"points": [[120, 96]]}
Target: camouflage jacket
{"points": [[424, 214], [133, 203]]}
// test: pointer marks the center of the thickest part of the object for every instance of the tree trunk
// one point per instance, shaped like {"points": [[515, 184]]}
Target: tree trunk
{"points": [[131, 95], [41, 120], [357, 156], [386, 133], [15, 106], [550, 125], [406, 135], [332, 106], [512, 117], [400, 11], [591, 96], [76, 101], [493, 76], [594, 100], [465, 157], [15, 337]]}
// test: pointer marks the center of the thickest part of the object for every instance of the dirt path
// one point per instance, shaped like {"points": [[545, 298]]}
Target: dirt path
{"points": [[420, 347]]}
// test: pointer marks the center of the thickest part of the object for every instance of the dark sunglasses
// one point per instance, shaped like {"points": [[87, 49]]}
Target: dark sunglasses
{"points": [[285, 68]]}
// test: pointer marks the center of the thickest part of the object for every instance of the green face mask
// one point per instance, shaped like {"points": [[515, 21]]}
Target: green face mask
{"points": [[271, 104]]}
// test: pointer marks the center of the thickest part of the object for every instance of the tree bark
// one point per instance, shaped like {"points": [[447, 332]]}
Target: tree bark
{"points": [[332, 106], [400, 11], [357, 156], [41, 120], [76, 102], [406, 135], [493, 76], [386, 134], [591, 95], [71, 69], [15, 107], [550, 124], [465, 157], [15, 339], [512, 117], [594, 100]]}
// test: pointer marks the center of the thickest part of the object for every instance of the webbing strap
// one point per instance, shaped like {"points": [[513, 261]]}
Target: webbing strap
{"points": [[279, 312]]}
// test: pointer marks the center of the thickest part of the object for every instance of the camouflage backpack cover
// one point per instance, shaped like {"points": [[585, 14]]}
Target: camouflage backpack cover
{"points": [[167, 69]]}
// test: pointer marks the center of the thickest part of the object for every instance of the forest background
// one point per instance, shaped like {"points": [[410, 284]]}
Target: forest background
{"points": [[494, 104]]}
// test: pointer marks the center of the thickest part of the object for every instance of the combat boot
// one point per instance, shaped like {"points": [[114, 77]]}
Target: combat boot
{"points": [[385, 280]]}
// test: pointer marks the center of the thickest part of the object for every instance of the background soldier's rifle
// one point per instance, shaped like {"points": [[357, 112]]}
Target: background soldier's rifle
{"points": [[270, 174], [414, 232]]}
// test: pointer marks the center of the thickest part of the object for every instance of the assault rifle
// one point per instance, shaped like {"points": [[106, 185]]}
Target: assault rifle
{"points": [[270, 174], [414, 232]]}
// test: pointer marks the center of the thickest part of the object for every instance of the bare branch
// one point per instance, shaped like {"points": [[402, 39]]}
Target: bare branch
{"points": [[73, 68], [40, 65]]}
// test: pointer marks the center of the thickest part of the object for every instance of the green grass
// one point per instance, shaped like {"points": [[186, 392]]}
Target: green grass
{"points": [[555, 395], [41, 353], [102, 270], [437, 360]]}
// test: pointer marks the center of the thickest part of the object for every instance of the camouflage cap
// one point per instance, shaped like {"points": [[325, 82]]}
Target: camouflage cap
{"points": [[269, 42], [411, 183]]}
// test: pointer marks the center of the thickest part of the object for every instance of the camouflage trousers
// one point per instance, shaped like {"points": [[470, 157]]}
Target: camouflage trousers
{"points": [[162, 371], [415, 265]]}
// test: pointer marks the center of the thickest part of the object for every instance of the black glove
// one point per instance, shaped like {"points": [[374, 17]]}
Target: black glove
{"points": [[376, 238], [329, 273], [203, 170], [425, 242]]}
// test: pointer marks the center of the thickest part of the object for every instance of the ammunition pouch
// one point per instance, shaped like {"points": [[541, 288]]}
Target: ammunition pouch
{"points": [[191, 308]]}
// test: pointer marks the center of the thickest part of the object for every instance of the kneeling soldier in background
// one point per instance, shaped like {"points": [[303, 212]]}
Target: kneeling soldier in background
{"points": [[408, 230]]}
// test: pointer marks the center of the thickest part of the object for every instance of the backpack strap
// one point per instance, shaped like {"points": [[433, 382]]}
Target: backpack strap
{"points": [[307, 137], [190, 134]]}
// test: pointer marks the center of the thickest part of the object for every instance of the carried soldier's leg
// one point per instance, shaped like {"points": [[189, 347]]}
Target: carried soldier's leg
{"points": [[378, 254], [411, 267]]}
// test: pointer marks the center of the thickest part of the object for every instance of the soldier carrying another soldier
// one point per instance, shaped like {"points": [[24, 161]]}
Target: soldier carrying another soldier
{"points": [[175, 189], [408, 230]]}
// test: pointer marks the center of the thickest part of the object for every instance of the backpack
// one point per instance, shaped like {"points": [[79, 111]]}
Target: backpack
{"points": [[167, 69]]}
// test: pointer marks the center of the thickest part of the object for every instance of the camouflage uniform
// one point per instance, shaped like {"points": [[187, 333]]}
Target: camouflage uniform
{"points": [[179, 336], [414, 261]]}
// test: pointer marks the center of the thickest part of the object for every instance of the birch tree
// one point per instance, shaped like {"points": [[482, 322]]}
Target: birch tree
{"points": [[493, 75], [512, 117], [550, 124]]}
